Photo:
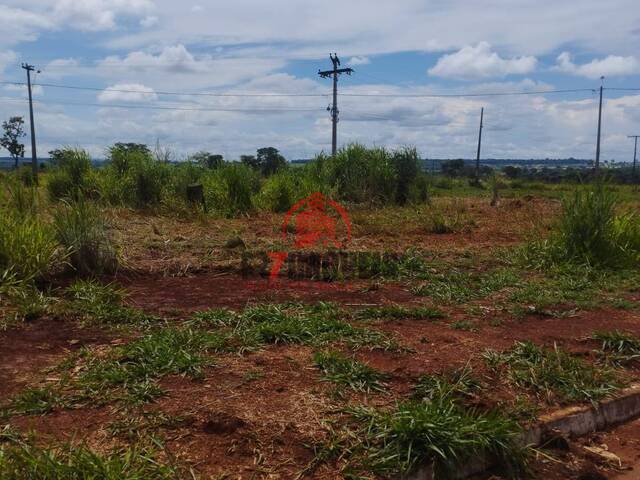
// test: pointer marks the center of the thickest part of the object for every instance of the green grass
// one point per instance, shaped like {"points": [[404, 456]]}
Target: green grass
{"points": [[100, 303], [395, 442], [316, 325], [621, 347], [35, 401], [399, 312], [20, 460], [553, 374], [456, 383], [466, 325], [338, 368], [455, 285], [134, 368]]}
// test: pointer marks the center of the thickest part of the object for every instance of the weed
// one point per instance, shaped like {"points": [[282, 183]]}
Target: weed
{"points": [[35, 401], [20, 460], [622, 347], [553, 373], [102, 304], [342, 370], [136, 366], [398, 312], [457, 383], [466, 325], [396, 442]]}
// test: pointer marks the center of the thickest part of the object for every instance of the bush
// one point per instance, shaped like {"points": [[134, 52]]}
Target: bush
{"points": [[229, 189], [81, 229], [407, 165], [71, 178]]}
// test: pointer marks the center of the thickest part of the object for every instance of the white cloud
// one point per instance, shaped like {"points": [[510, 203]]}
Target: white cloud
{"points": [[480, 62], [96, 15], [149, 21], [7, 58], [359, 60], [127, 92], [611, 66]]}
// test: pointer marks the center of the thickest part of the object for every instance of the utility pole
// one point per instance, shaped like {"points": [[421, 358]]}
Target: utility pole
{"points": [[334, 108], [597, 165], [635, 153], [34, 155], [479, 145]]}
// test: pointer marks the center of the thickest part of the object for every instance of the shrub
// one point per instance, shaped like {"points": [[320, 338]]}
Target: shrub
{"points": [[81, 229], [279, 192], [407, 165], [229, 189], [71, 177]]}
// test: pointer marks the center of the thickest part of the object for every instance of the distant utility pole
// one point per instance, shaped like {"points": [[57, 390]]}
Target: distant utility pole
{"points": [[34, 155], [635, 153], [479, 145], [597, 165], [334, 108]]}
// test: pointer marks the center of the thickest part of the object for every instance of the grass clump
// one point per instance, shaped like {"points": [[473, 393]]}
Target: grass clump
{"points": [[592, 231], [399, 312], [35, 401], [102, 303], [553, 374], [289, 323], [621, 347], [82, 231], [21, 460], [295, 323], [459, 286], [455, 384], [338, 368], [135, 367], [397, 441]]}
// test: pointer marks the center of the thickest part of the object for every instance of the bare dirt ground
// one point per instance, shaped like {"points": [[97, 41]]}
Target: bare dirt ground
{"points": [[258, 415]]}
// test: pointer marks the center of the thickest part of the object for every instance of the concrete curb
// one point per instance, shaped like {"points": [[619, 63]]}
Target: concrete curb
{"points": [[571, 421]]}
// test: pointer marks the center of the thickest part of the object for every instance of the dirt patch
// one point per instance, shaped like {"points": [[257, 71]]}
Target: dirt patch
{"points": [[26, 350], [169, 295]]}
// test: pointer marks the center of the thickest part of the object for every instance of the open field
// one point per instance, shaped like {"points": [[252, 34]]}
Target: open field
{"points": [[187, 361]]}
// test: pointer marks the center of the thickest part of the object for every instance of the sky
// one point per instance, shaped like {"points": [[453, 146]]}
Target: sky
{"points": [[231, 77]]}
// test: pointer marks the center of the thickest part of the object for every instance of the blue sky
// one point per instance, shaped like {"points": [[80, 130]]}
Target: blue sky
{"points": [[130, 50]]}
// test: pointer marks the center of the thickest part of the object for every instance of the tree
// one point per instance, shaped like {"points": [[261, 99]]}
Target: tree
{"points": [[13, 131], [269, 160], [208, 160], [250, 161]]}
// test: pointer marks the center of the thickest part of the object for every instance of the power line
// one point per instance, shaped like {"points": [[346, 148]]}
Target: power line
{"points": [[275, 94], [334, 109], [157, 107]]}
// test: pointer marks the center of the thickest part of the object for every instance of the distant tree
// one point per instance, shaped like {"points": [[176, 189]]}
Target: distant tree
{"points": [[249, 161], [13, 131], [453, 168], [208, 160], [129, 148], [269, 160], [512, 171]]}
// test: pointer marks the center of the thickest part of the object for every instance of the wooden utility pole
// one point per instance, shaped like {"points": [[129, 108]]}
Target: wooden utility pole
{"points": [[597, 165], [34, 155], [479, 146], [635, 153], [334, 108]]}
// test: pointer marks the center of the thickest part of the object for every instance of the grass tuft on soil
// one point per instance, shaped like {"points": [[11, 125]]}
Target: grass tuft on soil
{"points": [[338, 368], [554, 373], [622, 348]]}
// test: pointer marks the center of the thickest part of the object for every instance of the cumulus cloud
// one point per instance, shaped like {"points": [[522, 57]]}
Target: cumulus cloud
{"points": [[95, 15], [359, 60], [480, 62], [611, 66], [127, 92], [7, 58]]}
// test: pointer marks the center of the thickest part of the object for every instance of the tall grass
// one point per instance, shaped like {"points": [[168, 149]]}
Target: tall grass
{"points": [[72, 176], [82, 231], [592, 230]]}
